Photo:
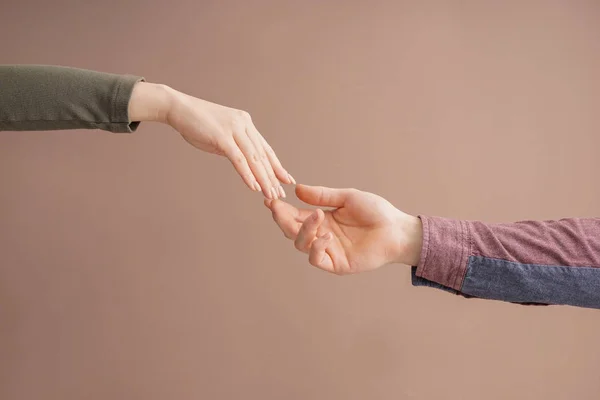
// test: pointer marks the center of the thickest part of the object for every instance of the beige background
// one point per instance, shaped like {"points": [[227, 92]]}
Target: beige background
{"points": [[136, 267]]}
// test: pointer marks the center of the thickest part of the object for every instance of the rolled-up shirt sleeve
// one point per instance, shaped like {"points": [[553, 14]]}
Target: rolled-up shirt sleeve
{"points": [[527, 262]]}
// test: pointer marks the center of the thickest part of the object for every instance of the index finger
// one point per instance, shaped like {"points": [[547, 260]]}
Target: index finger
{"points": [[288, 218]]}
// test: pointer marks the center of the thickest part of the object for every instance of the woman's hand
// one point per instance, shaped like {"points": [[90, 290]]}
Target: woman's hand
{"points": [[215, 129], [363, 231]]}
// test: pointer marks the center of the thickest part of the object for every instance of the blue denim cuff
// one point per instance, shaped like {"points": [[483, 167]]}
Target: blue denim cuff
{"points": [[418, 281]]}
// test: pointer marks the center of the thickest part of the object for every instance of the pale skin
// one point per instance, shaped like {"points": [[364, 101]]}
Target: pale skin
{"points": [[215, 129], [360, 233]]}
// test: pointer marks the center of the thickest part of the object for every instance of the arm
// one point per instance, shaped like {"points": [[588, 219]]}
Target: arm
{"points": [[542, 262], [38, 97], [530, 262]]}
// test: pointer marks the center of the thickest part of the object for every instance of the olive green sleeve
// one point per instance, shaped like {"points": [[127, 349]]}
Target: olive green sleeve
{"points": [[42, 97]]}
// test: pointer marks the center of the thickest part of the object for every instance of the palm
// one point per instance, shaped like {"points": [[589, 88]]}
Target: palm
{"points": [[351, 241], [360, 230]]}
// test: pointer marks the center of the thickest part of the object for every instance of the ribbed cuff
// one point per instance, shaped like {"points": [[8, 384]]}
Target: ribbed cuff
{"points": [[120, 122]]}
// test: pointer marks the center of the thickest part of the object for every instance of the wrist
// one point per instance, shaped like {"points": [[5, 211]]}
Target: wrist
{"points": [[151, 102], [409, 239]]}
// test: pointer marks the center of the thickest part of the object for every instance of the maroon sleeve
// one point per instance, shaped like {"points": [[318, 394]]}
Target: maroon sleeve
{"points": [[516, 261]]}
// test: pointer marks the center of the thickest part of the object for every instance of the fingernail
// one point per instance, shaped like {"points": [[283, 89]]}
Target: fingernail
{"points": [[327, 236], [282, 192], [315, 216], [256, 186], [291, 178], [274, 193], [268, 194]]}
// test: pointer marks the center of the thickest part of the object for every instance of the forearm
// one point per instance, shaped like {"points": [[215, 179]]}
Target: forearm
{"points": [[40, 97], [545, 262]]}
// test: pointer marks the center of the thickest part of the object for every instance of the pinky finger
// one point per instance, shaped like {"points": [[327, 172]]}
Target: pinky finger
{"points": [[237, 158], [318, 256]]}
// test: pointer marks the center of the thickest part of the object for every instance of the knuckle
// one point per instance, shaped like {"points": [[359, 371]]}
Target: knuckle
{"points": [[321, 195], [239, 119], [338, 270], [335, 269], [269, 149], [238, 158], [243, 115], [237, 125], [254, 158]]}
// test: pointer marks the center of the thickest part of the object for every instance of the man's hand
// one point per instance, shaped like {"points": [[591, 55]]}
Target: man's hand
{"points": [[363, 231], [215, 129]]}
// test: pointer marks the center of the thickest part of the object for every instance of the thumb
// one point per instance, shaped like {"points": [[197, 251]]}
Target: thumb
{"points": [[322, 196]]}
